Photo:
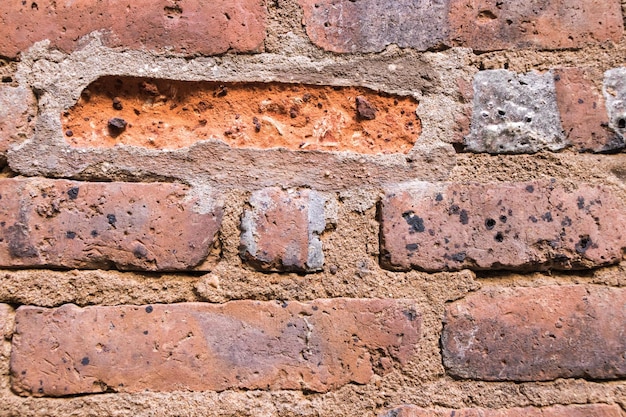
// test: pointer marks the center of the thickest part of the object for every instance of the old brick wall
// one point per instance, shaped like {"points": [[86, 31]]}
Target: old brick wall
{"points": [[313, 208]]}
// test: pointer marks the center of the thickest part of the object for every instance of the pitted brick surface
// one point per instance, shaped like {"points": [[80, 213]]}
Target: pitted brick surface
{"points": [[70, 224], [280, 232], [514, 113], [188, 27], [591, 410], [318, 346], [525, 226], [583, 112], [537, 334], [487, 25], [371, 25]]}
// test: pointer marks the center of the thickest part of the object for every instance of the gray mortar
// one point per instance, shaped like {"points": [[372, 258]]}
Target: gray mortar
{"points": [[615, 94], [514, 113]]}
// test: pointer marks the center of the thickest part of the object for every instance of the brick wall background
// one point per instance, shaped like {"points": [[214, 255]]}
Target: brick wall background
{"points": [[313, 208]]}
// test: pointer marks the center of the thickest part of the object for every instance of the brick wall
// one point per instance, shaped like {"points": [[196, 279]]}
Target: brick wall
{"points": [[313, 208]]}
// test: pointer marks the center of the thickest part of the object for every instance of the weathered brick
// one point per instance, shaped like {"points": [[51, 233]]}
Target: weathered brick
{"points": [[57, 223], [537, 334], [487, 25], [615, 94], [280, 231], [319, 345], [514, 113], [371, 25], [189, 27], [17, 114], [583, 112], [527, 226], [6, 322], [592, 410]]}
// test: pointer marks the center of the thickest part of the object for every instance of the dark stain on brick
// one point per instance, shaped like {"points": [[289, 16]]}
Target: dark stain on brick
{"points": [[530, 189], [140, 252], [464, 217], [94, 233], [547, 216], [149, 309], [416, 222], [583, 244], [73, 193], [580, 202], [84, 361], [111, 219], [410, 314], [412, 247], [438, 197], [490, 224], [533, 219], [70, 234], [19, 244], [503, 218], [499, 237], [458, 257], [566, 222]]}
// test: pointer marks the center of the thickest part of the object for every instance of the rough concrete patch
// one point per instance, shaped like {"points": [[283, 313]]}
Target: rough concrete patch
{"points": [[514, 113], [615, 94]]}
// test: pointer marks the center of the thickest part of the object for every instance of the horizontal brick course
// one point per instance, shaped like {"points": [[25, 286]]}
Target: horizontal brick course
{"points": [[69, 224], [17, 116], [592, 410], [537, 334], [280, 230], [319, 346], [525, 226], [189, 27], [487, 25]]}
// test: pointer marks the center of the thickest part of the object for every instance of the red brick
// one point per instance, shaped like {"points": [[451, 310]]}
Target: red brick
{"points": [[583, 112], [280, 230], [594, 410], [6, 322], [487, 25], [371, 25], [319, 345], [17, 114], [188, 27], [527, 226], [537, 334], [152, 226]]}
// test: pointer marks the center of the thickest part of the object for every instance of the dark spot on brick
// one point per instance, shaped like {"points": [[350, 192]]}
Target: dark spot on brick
{"points": [[315, 308], [580, 202], [19, 243], [364, 109], [257, 124], [284, 304], [117, 103], [464, 217], [116, 126], [416, 222], [533, 219], [73, 193], [454, 209], [70, 235], [221, 91], [547, 217], [459, 257], [410, 314], [145, 332], [149, 309], [499, 237], [583, 244], [69, 133], [503, 218], [566, 221], [140, 252], [530, 188], [412, 247], [94, 233], [490, 224], [112, 219], [84, 361], [438, 197]]}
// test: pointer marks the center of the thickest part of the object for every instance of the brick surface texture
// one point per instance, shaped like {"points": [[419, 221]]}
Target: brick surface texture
{"points": [[537, 334], [6, 323], [188, 27], [318, 346], [280, 232], [583, 112], [487, 25], [94, 225], [599, 410], [527, 226]]}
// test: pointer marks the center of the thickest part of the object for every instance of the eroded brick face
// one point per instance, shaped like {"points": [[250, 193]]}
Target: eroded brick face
{"points": [[537, 334], [583, 112], [318, 346], [593, 410], [280, 231], [17, 116], [162, 114], [371, 25], [189, 27], [487, 25], [524, 226], [6, 322], [69, 224]]}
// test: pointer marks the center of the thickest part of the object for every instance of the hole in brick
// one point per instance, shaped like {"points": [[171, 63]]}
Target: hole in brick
{"points": [[165, 114], [621, 123]]}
